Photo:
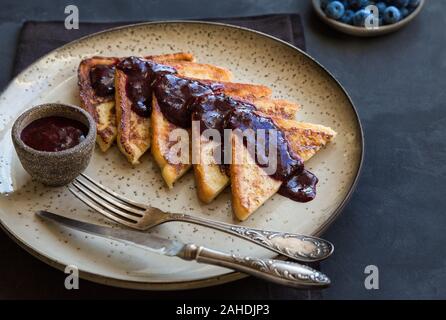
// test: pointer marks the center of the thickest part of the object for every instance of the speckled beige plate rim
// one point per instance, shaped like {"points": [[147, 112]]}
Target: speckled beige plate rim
{"points": [[210, 281]]}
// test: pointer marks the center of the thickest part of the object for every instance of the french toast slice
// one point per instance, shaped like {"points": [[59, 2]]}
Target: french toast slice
{"points": [[162, 128], [161, 148], [134, 131], [210, 178], [250, 185], [305, 139], [102, 108]]}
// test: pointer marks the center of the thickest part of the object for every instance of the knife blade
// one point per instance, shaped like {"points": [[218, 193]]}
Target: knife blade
{"points": [[138, 238]]}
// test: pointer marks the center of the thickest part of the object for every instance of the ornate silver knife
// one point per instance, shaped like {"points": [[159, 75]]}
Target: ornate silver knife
{"points": [[278, 271]]}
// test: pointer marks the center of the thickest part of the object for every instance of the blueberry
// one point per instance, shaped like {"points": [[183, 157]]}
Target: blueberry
{"points": [[360, 16], [404, 12], [374, 21], [392, 15], [358, 4], [381, 7], [348, 17], [400, 3], [413, 3], [324, 3], [335, 10]]}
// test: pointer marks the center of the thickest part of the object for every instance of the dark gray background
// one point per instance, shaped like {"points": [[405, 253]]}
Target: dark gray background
{"points": [[396, 218]]}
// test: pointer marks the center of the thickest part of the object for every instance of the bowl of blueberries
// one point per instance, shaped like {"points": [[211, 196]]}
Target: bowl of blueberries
{"points": [[367, 17]]}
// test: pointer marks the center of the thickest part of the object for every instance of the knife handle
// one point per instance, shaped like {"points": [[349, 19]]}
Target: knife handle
{"points": [[277, 271], [298, 247]]}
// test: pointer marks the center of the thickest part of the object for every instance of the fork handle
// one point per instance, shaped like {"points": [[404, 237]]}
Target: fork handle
{"points": [[295, 246], [277, 271]]}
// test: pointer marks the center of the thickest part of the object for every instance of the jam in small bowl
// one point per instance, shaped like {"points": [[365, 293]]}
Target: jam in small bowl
{"points": [[54, 142]]}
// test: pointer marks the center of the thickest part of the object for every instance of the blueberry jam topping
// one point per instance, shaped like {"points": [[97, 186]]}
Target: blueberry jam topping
{"points": [[221, 112], [102, 79], [300, 187], [175, 96], [140, 77], [54, 134], [182, 100]]}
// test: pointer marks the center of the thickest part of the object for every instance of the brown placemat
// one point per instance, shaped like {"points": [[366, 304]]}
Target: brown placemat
{"points": [[24, 276]]}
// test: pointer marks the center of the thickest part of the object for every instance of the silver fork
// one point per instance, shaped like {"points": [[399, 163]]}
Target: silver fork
{"points": [[143, 217]]}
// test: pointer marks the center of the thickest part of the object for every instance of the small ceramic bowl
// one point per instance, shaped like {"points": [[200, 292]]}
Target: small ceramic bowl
{"points": [[361, 31], [59, 167]]}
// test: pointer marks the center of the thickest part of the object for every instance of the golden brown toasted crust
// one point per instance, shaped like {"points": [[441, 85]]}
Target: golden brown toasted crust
{"points": [[161, 127], [104, 115], [207, 74], [88, 97], [162, 150], [134, 150], [244, 91], [190, 69], [305, 139], [103, 108], [251, 187], [205, 171], [134, 138], [211, 179], [173, 57], [133, 130], [278, 108]]}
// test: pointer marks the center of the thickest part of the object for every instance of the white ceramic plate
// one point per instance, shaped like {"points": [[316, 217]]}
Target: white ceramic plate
{"points": [[253, 57]]}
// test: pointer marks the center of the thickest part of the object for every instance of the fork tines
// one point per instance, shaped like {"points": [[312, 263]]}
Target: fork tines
{"points": [[106, 201]]}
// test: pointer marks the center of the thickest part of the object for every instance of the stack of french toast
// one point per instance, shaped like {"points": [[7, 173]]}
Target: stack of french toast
{"points": [[108, 91]]}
